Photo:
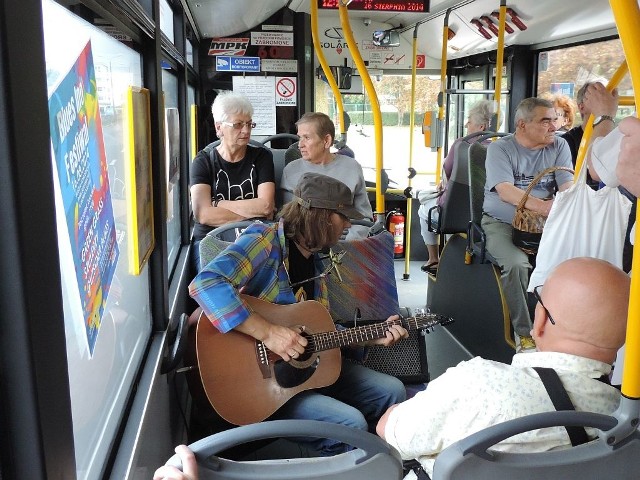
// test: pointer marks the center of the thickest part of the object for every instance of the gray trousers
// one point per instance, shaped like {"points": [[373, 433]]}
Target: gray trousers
{"points": [[515, 272]]}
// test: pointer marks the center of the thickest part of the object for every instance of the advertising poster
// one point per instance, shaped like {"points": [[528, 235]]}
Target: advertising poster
{"points": [[79, 156]]}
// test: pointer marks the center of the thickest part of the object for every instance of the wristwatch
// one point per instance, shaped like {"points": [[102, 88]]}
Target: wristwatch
{"points": [[602, 118]]}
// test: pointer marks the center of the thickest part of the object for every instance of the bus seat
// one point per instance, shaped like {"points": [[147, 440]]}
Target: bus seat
{"points": [[371, 458], [453, 215], [279, 153], [477, 178], [472, 295], [366, 293], [367, 279], [609, 456], [217, 239]]}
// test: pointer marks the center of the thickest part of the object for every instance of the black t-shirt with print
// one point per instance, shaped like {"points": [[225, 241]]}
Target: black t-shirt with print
{"points": [[231, 180]]}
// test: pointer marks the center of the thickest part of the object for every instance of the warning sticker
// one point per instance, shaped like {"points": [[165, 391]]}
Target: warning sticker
{"points": [[286, 91]]}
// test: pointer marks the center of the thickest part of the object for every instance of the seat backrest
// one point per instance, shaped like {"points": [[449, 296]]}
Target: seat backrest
{"points": [[219, 238], [454, 215], [371, 457], [368, 280], [471, 459], [471, 294], [477, 178]]}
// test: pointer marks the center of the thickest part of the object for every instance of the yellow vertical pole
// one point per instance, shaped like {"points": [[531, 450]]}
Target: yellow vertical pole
{"points": [[325, 65], [407, 224], [441, 97], [373, 98], [627, 17], [500, 59]]}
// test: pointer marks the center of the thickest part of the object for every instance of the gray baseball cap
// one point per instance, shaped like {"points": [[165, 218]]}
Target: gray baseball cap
{"points": [[320, 191]]}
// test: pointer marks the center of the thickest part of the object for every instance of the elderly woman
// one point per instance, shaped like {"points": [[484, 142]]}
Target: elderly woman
{"points": [[317, 132], [479, 120], [233, 181]]}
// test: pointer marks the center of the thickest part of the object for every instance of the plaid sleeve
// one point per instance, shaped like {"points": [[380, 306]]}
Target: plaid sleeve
{"points": [[216, 287]]}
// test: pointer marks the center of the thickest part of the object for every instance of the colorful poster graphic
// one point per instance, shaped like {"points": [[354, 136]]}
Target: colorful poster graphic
{"points": [[79, 155]]}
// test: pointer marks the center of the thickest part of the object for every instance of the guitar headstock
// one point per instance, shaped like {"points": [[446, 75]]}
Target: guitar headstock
{"points": [[428, 320]]}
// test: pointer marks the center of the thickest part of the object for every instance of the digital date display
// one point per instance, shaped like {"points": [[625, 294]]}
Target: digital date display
{"points": [[380, 6]]}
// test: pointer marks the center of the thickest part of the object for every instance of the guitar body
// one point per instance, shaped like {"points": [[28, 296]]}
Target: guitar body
{"points": [[244, 382]]}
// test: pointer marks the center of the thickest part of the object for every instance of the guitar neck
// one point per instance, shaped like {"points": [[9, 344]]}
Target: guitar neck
{"points": [[341, 338]]}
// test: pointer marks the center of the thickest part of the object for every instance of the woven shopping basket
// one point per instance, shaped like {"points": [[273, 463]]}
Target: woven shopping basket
{"points": [[527, 224]]}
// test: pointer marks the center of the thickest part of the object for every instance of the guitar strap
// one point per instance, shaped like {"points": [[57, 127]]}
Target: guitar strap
{"points": [[561, 400]]}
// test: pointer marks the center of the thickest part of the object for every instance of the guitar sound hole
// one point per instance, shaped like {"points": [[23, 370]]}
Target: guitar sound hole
{"points": [[288, 375]]}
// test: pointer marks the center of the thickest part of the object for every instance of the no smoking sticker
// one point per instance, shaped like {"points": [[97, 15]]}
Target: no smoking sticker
{"points": [[286, 91]]}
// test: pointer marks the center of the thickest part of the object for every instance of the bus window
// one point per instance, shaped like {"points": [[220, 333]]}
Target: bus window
{"points": [[394, 96], [103, 360], [172, 158], [565, 70]]}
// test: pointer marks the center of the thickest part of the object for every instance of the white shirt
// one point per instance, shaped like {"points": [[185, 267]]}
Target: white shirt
{"points": [[479, 393]]}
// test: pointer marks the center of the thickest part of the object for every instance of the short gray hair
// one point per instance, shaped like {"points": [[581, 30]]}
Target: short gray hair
{"points": [[481, 113], [230, 103], [527, 106]]}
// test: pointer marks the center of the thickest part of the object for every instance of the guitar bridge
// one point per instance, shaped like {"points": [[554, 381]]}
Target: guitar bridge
{"points": [[262, 356]]}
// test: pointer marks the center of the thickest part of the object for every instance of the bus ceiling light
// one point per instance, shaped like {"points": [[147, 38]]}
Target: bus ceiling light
{"points": [[516, 20]]}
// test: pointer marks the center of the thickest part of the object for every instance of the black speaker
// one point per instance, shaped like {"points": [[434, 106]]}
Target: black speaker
{"points": [[406, 360]]}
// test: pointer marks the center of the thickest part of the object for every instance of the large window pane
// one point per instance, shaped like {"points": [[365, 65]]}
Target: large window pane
{"points": [[102, 369], [172, 156], [565, 70], [394, 96]]}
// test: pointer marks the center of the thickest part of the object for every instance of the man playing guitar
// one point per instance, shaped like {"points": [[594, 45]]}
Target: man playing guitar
{"points": [[265, 262]]}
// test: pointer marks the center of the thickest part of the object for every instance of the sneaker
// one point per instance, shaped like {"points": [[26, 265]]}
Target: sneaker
{"points": [[526, 344]]}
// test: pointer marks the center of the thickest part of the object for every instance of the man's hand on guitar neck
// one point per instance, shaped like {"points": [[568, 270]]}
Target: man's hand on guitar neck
{"points": [[283, 341], [394, 334]]}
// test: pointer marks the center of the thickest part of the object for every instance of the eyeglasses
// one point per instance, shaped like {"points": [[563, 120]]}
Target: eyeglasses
{"points": [[239, 125], [536, 293]]}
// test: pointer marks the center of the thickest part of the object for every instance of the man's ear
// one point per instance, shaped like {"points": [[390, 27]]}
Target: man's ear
{"points": [[539, 322]]}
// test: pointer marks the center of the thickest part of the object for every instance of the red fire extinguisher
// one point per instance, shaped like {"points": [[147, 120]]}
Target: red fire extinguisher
{"points": [[396, 228]]}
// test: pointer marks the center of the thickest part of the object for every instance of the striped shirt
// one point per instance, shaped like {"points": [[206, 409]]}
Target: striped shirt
{"points": [[255, 264]]}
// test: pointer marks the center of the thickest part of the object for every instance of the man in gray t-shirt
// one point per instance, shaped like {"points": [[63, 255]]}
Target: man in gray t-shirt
{"points": [[512, 163]]}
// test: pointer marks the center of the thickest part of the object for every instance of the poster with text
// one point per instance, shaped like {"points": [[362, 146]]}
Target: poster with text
{"points": [[80, 160]]}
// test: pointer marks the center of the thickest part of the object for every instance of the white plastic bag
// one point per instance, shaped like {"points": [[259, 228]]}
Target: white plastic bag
{"points": [[582, 223]]}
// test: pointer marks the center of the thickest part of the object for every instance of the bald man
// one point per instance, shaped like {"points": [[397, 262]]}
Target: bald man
{"points": [[577, 331]]}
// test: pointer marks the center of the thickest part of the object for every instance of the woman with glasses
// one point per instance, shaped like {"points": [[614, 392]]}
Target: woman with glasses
{"points": [[280, 263], [234, 180]]}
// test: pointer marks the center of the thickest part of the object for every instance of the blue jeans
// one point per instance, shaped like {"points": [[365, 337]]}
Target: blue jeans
{"points": [[358, 399]]}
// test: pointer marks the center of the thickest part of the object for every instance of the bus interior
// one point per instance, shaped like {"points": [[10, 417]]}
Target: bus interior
{"points": [[94, 383]]}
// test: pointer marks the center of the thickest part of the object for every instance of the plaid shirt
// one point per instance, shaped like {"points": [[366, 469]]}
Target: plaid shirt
{"points": [[256, 264]]}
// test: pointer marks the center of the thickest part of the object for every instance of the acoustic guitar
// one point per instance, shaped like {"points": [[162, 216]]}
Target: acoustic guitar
{"points": [[245, 382]]}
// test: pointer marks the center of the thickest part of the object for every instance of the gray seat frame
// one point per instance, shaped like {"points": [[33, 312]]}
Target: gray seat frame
{"points": [[372, 457], [615, 454]]}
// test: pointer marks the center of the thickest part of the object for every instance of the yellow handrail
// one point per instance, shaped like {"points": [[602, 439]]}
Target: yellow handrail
{"points": [[407, 224], [441, 97], [325, 66], [373, 98], [616, 78], [627, 17], [500, 59]]}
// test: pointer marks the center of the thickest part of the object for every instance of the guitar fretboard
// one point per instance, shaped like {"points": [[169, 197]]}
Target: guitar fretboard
{"points": [[341, 338]]}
